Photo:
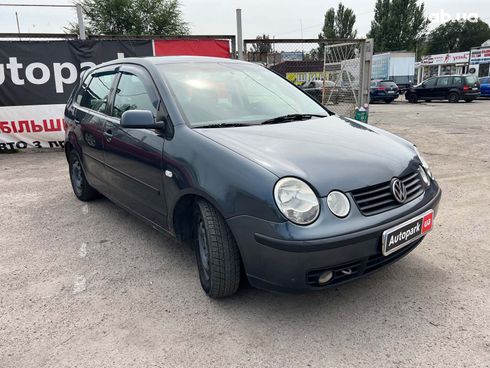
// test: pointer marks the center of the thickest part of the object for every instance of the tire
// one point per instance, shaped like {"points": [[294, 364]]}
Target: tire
{"points": [[82, 189], [390, 100], [218, 258], [469, 100], [453, 97], [412, 98], [428, 100]]}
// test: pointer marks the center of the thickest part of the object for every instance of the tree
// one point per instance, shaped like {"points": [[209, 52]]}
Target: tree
{"points": [[339, 24], [133, 17], [260, 46], [457, 35], [398, 25]]}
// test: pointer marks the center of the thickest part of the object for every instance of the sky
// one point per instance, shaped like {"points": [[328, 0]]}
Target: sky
{"points": [[278, 18]]}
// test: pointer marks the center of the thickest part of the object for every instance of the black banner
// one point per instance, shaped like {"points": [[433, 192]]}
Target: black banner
{"points": [[45, 72]]}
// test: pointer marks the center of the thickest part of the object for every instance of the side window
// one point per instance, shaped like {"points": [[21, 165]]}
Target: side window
{"points": [[430, 82], [94, 95], [82, 92], [457, 81], [131, 94], [443, 81]]}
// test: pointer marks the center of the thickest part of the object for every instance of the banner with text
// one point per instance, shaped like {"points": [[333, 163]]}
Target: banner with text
{"points": [[37, 77]]}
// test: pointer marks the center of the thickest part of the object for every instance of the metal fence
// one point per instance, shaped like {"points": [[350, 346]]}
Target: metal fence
{"points": [[335, 72]]}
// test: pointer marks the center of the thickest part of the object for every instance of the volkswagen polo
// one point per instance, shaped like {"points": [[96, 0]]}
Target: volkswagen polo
{"points": [[263, 181]]}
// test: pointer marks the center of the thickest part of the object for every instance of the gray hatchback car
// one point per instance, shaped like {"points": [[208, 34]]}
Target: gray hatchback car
{"points": [[263, 181]]}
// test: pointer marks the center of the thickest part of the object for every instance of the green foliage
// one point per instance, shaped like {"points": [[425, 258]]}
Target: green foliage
{"points": [[262, 47], [457, 35], [133, 17], [398, 25], [339, 24]]}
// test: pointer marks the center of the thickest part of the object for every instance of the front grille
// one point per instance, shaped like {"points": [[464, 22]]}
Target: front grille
{"points": [[379, 198]]}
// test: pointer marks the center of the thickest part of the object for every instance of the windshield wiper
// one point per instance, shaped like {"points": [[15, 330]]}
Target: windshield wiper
{"points": [[221, 125], [292, 117]]}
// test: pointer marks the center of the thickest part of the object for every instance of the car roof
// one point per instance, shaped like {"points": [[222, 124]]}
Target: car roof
{"points": [[158, 60]]}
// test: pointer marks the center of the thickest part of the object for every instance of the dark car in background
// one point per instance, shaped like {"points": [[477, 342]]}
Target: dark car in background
{"points": [[383, 90], [485, 87], [449, 87], [315, 89], [260, 179]]}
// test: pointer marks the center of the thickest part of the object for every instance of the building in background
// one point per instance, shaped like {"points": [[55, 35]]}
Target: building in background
{"points": [[442, 64], [480, 61], [396, 66]]}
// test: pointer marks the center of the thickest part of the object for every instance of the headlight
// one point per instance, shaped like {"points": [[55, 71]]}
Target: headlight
{"points": [[338, 203], [297, 201], [425, 165], [424, 176]]}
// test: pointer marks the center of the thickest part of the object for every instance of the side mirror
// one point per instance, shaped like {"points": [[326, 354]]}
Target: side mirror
{"points": [[138, 119]]}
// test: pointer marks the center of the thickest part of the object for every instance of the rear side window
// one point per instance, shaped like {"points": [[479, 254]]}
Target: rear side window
{"points": [[94, 95], [457, 81], [471, 79], [133, 95], [443, 81]]}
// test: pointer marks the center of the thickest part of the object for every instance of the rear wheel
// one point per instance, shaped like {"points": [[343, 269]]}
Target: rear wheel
{"points": [[218, 259], [82, 189], [453, 97], [412, 98]]}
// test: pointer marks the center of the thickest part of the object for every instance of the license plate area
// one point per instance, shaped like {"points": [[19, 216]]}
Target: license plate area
{"points": [[401, 235]]}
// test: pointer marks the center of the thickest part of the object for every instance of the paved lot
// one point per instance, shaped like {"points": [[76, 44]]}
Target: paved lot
{"points": [[91, 286]]}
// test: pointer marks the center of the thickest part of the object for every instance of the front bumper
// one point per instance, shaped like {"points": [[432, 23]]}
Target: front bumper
{"points": [[279, 262]]}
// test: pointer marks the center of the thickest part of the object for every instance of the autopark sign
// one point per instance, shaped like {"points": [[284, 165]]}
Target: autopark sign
{"points": [[37, 77]]}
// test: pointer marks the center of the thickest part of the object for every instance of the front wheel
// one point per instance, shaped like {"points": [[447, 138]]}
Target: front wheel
{"points": [[468, 100], [412, 98], [82, 189], [217, 254]]}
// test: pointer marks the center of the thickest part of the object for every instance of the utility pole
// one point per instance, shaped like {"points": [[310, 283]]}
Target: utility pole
{"points": [[18, 26], [239, 33], [81, 25]]}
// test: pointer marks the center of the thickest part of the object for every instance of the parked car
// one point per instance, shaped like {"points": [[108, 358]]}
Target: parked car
{"points": [[315, 89], [485, 87], [449, 87], [383, 90], [262, 180]]}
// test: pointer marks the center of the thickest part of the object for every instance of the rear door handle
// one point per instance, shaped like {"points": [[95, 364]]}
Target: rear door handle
{"points": [[108, 135]]}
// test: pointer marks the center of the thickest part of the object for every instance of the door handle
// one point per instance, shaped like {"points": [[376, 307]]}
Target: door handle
{"points": [[108, 135]]}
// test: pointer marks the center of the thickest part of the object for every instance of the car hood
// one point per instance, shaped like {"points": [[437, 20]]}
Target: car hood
{"points": [[329, 153]]}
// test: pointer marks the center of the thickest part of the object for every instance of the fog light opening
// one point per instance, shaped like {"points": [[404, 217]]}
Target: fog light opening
{"points": [[347, 271], [325, 277]]}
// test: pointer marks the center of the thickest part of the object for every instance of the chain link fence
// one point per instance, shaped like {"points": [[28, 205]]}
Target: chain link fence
{"points": [[335, 73]]}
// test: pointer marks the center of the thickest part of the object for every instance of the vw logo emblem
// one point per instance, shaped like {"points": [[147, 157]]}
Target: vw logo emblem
{"points": [[399, 190]]}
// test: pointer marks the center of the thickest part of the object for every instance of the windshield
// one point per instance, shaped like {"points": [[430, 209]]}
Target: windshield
{"points": [[227, 93]]}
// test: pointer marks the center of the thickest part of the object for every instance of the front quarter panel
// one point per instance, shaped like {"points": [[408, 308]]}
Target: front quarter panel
{"points": [[234, 184]]}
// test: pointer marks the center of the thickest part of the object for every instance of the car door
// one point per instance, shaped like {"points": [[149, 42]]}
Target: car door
{"points": [[442, 88], [134, 156], [89, 113], [426, 90]]}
